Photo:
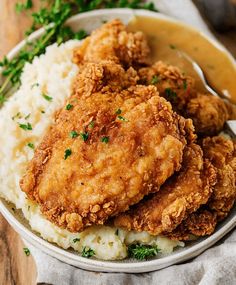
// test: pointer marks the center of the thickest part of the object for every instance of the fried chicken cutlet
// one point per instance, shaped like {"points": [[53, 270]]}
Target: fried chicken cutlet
{"points": [[114, 145], [181, 195], [209, 113], [113, 42], [222, 153]]}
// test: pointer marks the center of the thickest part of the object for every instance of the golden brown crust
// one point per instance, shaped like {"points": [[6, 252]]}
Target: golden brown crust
{"points": [[170, 82], [101, 179], [200, 223], [112, 42], [209, 113], [181, 195], [221, 152]]}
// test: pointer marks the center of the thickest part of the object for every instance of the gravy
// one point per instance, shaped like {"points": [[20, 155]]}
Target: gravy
{"points": [[165, 38]]}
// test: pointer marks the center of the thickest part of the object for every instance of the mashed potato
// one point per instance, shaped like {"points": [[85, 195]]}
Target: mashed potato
{"points": [[45, 86]]}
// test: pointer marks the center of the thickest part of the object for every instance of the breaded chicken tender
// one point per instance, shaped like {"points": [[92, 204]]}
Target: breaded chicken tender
{"points": [[209, 113], [109, 147], [222, 153], [181, 195], [113, 42]]}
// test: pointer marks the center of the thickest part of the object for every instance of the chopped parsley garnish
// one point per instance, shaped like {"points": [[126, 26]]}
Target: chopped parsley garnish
{"points": [[34, 85], [26, 127], [118, 111], [42, 111], [26, 251], [46, 97], [117, 232], [171, 95], [155, 79], [88, 252], [185, 84], [172, 46], [69, 106], [141, 252], [76, 240], [73, 134], [84, 136], [105, 139], [31, 145], [24, 6], [27, 117], [122, 118], [18, 115], [68, 152], [91, 124]]}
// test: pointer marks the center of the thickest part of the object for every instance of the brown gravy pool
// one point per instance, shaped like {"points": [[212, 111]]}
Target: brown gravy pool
{"points": [[165, 38]]}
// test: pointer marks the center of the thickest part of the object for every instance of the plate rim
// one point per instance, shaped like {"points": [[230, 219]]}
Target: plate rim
{"points": [[108, 266]]}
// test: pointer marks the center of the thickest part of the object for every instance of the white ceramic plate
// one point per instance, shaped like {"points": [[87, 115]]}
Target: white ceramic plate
{"points": [[89, 21]]}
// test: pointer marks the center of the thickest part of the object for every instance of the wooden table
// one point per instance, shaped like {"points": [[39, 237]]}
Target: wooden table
{"points": [[15, 266]]}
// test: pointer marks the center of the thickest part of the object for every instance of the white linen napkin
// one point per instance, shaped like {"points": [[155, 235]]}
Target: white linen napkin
{"points": [[215, 266]]}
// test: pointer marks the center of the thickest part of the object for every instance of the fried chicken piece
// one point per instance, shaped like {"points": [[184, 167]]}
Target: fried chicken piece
{"points": [[222, 153], [173, 85], [209, 113], [106, 152], [113, 42], [200, 223], [181, 195]]}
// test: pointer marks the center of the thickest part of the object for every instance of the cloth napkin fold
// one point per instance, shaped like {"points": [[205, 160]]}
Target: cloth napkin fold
{"points": [[215, 266]]}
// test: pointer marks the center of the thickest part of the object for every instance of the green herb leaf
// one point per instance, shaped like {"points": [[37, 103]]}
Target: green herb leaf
{"points": [[26, 127], [155, 79], [88, 252], [171, 95], [48, 98], [185, 84], [172, 46], [27, 116], [34, 85], [91, 124], [31, 145], [105, 139], [84, 136], [69, 106], [76, 240], [24, 6], [118, 111], [68, 152], [26, 251], [122, 119], [73, 134], [117, 232], [141, 252]]}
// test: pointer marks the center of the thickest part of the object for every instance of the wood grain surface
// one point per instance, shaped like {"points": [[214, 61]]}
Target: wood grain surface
{"points": [[15, 267]]}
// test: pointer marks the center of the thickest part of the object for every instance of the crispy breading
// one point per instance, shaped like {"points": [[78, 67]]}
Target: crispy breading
{"points": [[113, 42], [171, 83], [200, 223], [129, 142], [182, 194], [209, 113], [222, 154]]}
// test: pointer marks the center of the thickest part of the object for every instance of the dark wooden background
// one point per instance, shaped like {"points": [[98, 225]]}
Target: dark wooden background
{"points": [[15, 267]]}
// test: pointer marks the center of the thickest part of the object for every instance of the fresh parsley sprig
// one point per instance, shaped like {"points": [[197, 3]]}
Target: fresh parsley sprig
{"points": [[141, 251]]}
